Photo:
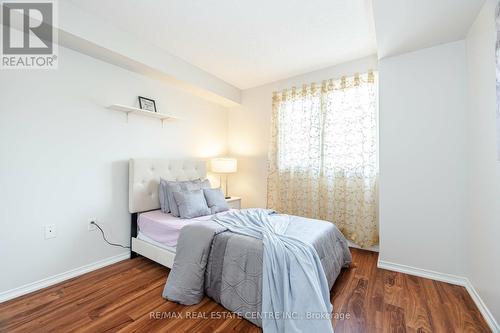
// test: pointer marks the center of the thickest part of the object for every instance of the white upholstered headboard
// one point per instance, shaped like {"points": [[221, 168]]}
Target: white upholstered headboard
{"points": [[144, 179]]}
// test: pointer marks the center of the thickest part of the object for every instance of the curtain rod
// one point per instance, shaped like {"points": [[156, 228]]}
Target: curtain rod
{"points": [[330, 83]]}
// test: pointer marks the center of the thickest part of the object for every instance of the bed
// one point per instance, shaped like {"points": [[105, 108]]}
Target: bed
{"points": [[224, 255], [144, 179]]}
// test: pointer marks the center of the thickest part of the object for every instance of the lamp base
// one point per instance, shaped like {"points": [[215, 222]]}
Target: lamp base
{"points": [[228, 197]]}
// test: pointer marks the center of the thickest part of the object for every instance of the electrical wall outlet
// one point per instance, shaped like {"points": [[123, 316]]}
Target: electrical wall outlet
{"points": [[90, 225], [50, 231]]}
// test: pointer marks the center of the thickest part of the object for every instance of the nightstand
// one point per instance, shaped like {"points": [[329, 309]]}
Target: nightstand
{"points": [[234, 202]]}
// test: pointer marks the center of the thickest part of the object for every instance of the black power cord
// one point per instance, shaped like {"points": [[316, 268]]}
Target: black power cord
{"points": [[104, 237]]}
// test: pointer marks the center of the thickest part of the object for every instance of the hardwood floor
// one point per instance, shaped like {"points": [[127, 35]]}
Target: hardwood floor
{"points": [[126, 297]]}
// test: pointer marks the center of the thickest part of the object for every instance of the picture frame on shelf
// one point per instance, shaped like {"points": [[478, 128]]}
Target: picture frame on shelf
{"points": [[147, 104]]}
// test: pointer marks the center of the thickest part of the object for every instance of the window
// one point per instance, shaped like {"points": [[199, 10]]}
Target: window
{"points": [[323, 154]]}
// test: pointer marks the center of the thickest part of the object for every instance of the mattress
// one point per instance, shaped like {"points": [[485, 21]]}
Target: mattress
{"points": [[163, 229], [145, 238]]}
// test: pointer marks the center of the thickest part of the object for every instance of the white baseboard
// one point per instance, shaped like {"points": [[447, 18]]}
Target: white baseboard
{"points": [[448, 278], [51, 280], [425, 273], [488, 316]]}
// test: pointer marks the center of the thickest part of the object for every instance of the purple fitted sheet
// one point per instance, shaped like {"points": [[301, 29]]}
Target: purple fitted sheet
{"points": [[164, 228]]}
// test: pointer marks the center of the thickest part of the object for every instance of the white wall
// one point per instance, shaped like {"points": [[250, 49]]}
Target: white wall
{"points": [[249, 129], [484, 178], [64, 158], [422, 158]]}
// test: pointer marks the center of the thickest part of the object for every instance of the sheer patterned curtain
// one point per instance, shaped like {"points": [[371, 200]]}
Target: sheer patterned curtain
{"points": [[323, 155]]}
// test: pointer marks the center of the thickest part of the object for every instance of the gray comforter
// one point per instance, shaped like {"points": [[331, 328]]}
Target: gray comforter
{"points": [[228, 266]]}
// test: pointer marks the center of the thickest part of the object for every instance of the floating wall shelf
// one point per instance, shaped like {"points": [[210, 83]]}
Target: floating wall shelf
{"points": [[131, 110]]}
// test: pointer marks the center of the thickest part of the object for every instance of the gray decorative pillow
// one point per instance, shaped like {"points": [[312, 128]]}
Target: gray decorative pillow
{"points": [[215, 200], [205, 183], [162, 194], [191, 204], [178, 186]]}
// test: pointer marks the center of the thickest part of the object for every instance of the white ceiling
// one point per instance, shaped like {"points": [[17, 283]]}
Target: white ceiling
{"points": [[409, 25], [248, 43]]}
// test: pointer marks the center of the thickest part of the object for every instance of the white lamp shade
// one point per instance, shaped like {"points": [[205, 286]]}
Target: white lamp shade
{"points": [[224, 165]]}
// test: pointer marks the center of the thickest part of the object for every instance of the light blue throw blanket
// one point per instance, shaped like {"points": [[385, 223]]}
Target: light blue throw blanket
{"points": [[295, 290]]}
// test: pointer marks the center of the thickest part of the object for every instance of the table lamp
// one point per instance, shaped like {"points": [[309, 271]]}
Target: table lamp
{"points": [[224, 165]]}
